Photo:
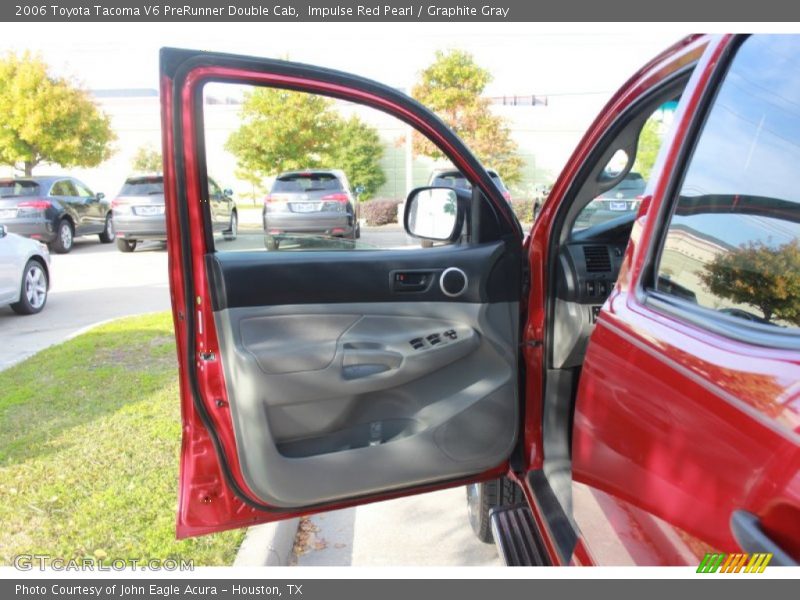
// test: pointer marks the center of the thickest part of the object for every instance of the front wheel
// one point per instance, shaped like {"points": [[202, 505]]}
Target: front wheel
{"points": [[65, 237], [108, 235], [233, 230], [126, 245], [33, 290], [483, 497]]}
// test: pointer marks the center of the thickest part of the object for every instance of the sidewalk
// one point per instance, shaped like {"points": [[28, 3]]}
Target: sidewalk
{"points": [[429, 530]]}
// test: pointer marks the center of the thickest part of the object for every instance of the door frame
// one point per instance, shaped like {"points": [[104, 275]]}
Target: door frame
{"points": [[214, 494]]}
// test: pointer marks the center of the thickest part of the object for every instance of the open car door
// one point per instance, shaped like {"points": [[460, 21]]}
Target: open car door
{"points": [[320, 379]]}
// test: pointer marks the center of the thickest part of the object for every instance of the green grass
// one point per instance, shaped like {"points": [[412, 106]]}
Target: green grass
{"points": [[89, 447], [248, 205]]}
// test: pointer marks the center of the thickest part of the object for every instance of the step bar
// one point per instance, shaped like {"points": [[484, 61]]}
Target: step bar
{"points": [[516, 536]]}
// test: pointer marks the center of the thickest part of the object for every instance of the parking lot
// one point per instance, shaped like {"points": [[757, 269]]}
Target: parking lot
{"points": [[96, 283]]}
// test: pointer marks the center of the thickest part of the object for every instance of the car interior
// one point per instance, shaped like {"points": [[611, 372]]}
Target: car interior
{"points": [[585, 272]]}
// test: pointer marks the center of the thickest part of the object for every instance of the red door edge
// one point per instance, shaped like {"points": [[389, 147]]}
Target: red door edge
{"points": [[213, 493]]}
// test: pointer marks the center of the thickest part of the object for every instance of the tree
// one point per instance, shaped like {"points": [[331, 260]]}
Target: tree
{"points": [[357, 151], [760, 275], [647, 151], [44, 118], [452, 87], [283, 130], [147, 160]]}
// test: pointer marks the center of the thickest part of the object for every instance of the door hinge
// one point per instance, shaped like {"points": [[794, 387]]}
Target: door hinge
{"points": [[208, 356], [531, 343]]}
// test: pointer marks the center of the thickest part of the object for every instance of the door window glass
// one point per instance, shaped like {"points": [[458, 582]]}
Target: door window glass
{"points": [[63, 188], [83, 191], [310, 173], [732, 242]]}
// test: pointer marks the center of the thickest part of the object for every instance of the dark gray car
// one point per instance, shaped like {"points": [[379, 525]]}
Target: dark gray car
{"points": [[622, 199], [317, 202], [139, 211], [54, 210]]}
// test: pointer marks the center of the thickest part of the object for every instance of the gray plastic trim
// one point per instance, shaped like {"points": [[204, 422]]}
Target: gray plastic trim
{"points": [[447, 410]]}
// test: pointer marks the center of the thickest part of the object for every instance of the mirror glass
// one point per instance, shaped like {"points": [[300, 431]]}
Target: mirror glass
{"points": [[432, 214]]}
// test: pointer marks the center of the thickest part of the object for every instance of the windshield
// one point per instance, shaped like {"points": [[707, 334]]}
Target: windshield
{"points": [[13, 188], [306, 182], [143, 187], [458, 181]]}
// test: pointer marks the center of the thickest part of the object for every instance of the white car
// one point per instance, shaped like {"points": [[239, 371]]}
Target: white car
{"points": [[24, 273]]}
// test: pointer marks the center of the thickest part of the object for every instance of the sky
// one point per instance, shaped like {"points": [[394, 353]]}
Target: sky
{"points": [[524, 58]]}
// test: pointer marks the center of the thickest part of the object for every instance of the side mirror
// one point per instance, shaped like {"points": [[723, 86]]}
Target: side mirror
{"points": [[100, 195], [3, 231], [435, 214], [227, 192], [359, 189]]}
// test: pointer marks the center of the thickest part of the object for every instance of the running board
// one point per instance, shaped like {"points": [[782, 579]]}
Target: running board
{"points": [[516, 536]]}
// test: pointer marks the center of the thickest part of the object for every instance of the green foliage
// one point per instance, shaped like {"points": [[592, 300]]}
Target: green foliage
{"points": [[452, 87], [759, 275], [44, 118], [357, 151], [90, 437], [283, 130], [649, 145], [147, 160]]}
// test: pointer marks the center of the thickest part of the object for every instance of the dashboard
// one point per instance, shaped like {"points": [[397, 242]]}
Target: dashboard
{"points": [[588, 267]]}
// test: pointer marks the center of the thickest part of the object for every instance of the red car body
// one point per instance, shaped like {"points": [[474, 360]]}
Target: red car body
{"points": [[675, 427]]}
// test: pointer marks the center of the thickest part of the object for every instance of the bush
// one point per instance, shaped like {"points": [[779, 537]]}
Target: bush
{"points": [[523, 208], [379, 212]]}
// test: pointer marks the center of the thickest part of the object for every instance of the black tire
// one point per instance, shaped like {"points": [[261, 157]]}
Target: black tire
{"points": [[33, 289], [109, 234], [65, 237], [271, 242], [483, 497], [126, 245], [357, 234], [233, 228]]}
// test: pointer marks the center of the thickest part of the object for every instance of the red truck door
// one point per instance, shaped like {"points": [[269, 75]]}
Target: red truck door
{"points": [[686, 433], [319, 379]]}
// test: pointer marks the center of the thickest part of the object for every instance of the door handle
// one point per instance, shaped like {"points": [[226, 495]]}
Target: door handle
{"points": [[360, 361], [411, 281], [751, 538]]}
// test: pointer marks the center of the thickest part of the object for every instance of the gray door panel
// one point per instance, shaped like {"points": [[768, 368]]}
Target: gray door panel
{"points": [[331, 401]]}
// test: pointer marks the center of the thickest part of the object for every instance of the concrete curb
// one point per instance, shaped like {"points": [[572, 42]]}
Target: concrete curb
{"points": [[268, 545]]}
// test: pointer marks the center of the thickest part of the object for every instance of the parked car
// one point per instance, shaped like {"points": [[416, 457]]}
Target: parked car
{"points": [[621, 199], [595, 416], [316, 201], [449, 177], [24, 273], [54, 209], [138, 211]]}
